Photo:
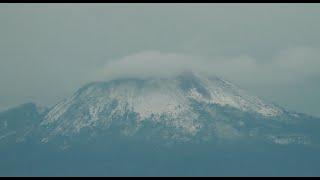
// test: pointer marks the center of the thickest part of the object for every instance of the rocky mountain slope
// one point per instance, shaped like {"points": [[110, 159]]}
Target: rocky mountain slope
{"points": [[185, 108], [120, 126]]}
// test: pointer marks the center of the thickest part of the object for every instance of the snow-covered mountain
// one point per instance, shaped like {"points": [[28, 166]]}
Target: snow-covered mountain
{"points": [[130, 118], [18, 124], [187, 107]]}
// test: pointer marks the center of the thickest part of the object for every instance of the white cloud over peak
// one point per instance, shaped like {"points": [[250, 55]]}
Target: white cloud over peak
{"points": [[297, 63], [148, 64]]}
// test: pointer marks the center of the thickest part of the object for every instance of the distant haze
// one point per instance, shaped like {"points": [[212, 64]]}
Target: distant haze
{"points": [[47, 51]]}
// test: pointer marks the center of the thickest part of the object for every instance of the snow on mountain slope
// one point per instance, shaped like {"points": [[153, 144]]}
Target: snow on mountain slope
{"points": [[167, 102], [223, 92], [204, 120], [18, 123]]}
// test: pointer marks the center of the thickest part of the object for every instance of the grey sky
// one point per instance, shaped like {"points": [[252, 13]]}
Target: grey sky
{"points": [[47, 51]]}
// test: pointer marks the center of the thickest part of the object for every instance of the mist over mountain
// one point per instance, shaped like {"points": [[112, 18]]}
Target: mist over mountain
{"points": [[185, 124], [125, 89]]}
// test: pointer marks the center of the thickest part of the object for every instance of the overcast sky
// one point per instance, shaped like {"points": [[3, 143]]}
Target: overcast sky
{"points": [[47, 51]]}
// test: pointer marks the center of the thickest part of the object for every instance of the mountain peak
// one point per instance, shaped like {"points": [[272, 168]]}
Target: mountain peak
{"points": [[178, 102], [187, 107]]}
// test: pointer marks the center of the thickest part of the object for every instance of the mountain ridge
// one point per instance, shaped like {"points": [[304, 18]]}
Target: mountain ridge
{"points": [[186, 108], [183, 125]]}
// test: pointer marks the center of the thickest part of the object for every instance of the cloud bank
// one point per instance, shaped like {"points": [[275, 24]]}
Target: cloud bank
{"points": [[149, 64], [288, 66], [156, 64]]}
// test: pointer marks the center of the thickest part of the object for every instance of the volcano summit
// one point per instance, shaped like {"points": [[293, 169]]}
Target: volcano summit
{"points": [[169, 113]]}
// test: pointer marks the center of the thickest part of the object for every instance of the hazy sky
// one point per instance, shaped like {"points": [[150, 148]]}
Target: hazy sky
{"points": [[47, 51]]}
